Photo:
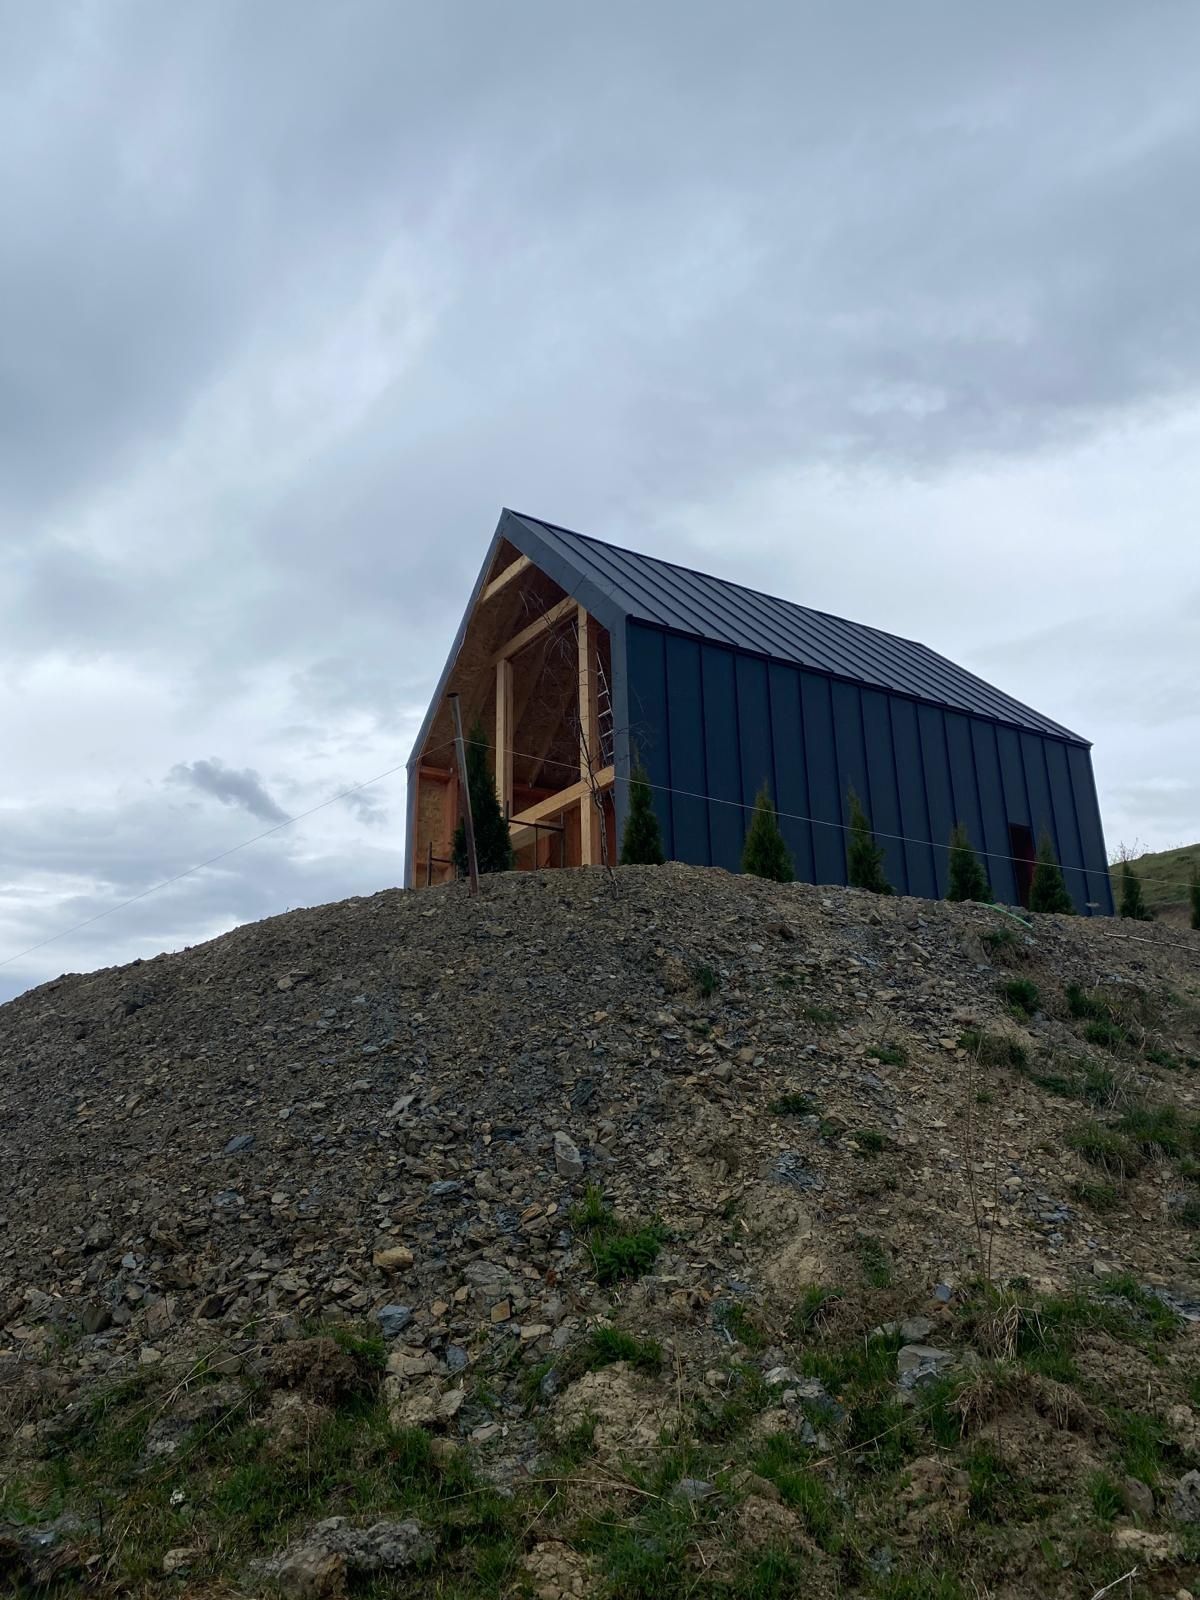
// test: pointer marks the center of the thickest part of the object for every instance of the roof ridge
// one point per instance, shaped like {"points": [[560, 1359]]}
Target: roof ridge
{"points": [[1033, 719], [732, 583]]}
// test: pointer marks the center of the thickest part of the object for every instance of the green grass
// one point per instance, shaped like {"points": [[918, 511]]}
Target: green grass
{"points": [[718, 1420], [1099, 1197], [592, 1212], [993, 1049], [920, 1584], [1080, 1079], [891, 1055], [1021, 995], [1105, 1495], [247, 1486], [1143, 1447], [875, 1263], [811, 1309], [626, 1254], [1158, 1057], [1002, 944], [1107, 1034], [783, 1460], [1086, 1007], [793, 1105], [707, 981], [996, 1493], [1164, 874], [1161, 1130], [740, 1322], [619, 1250], [604, 1346], [819, 1016], [870, 1142], [1106, 1149]]}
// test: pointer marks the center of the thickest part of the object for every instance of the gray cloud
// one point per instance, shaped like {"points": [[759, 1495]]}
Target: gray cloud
{"points": [[888, 309], [230, 787]]}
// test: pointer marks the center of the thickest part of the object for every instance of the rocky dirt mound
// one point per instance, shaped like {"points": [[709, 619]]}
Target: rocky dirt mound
{"points": [[617, 1173]]}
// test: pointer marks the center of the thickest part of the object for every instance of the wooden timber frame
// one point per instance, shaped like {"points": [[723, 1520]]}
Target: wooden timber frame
{"points": [[536, 687]]}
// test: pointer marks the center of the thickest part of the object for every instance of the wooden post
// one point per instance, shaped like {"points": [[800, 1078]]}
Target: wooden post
{"points": [[589, 743], [469, 821], [504, 734], [429, 867]]}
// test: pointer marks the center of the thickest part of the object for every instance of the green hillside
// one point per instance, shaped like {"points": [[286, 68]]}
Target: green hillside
{"points": [[1165, 875]]}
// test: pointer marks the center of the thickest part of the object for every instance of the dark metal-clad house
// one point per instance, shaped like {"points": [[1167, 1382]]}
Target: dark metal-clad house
{"points": [[573, 652]]}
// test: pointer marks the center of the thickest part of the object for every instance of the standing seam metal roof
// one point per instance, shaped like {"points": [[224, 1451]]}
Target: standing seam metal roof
{"points": [[647, 589]]}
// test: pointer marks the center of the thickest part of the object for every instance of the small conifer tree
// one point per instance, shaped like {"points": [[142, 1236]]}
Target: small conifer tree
{"points": [[641, 841], [766, 855], [1194, 895], [493, 844], [1048, 891], [968, 880], [1132, 902], [864, 858]]}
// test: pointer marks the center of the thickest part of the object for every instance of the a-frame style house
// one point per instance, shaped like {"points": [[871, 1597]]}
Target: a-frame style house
{"points": [[574, 653]]}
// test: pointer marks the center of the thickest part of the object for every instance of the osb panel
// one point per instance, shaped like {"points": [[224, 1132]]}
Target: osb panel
{"points": [[432, 801]]}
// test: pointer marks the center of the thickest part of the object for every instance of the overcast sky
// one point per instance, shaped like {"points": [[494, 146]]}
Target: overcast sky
{"points": [[890, 309]]}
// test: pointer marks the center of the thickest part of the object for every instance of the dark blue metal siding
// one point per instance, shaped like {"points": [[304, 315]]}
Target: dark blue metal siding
{"points": [[1087, 812], [963, 780], [754, 725], [939, 789], [994, 841], [1012, 774], [791, 776], [850, 759], [1066, 825], [650, 731], [921, 874], [824, 786], [713, 722], [1037, 782], [882, 781], [689, 776], [725, 827]]}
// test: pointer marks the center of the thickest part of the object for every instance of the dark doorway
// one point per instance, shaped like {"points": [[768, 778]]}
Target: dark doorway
{"points": [[1021, 848]]}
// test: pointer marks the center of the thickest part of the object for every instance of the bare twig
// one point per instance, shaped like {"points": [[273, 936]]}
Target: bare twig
{"points": [[1126, 1577]]}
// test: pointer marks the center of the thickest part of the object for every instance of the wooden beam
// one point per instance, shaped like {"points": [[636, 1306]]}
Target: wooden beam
{"points": [[589, 741], [505, 578], [563, 799], [435, 774], [544, 625], [504, 734]]}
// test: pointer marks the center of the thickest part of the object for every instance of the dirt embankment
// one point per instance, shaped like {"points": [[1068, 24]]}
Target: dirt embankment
{"points": [[604, 1192]]}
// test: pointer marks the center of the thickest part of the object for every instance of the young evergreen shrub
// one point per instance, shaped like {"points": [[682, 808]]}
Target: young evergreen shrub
{"points": [[1048, 891], [864, 858], [968, 880], [766, 855], [641, 842], [493, 845], [1194, 894], [1132, 903]]}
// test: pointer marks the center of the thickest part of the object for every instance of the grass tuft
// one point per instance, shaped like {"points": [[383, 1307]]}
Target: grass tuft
{"points": [[1022, 996], [605, 1346], [793, 1105], [993, 1049]]}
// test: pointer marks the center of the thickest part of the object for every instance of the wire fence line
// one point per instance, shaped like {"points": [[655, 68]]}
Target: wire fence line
{"points": [[526, 755], [821, 822]]}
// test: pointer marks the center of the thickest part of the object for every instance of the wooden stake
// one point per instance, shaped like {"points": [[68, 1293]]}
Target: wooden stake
{"points": [[465, 787]]}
